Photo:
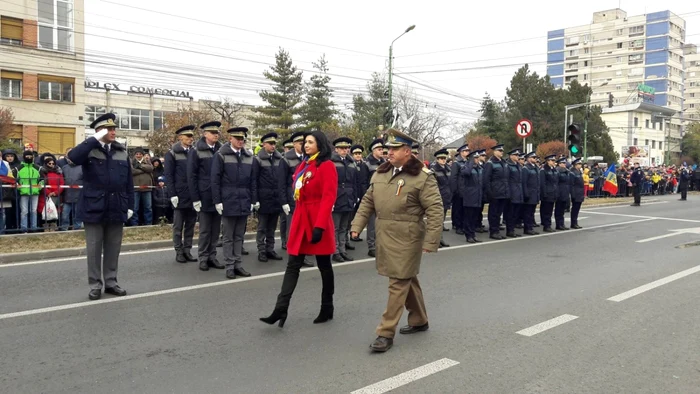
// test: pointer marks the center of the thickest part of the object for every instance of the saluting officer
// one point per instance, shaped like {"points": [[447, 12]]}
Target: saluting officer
{"points": [[105, 203], [549, 191], [234, 179], [402, 192], [472, 191], [563, 193], [363, 180], [268, 204], [515, 184], [577, 191], [373, 160], [496, 189], [531, 192], [637, 179], [199, 182], [456, 215], [288, 165], [184, 215], [348, 195], [442, 175]]}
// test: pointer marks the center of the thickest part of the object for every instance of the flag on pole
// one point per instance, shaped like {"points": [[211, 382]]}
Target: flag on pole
{"points": [[610, 184]]}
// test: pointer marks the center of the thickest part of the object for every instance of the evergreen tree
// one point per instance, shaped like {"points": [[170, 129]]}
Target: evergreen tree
{"points": [[319, 109], [282, 110], [368, 110]]}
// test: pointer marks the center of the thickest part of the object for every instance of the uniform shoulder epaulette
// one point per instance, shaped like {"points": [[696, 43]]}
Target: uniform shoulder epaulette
{"points": [[427, 171]]}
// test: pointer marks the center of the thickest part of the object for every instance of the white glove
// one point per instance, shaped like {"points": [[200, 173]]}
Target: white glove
{"points": [[256, 206], [286, 209], [100, 134], [252, 207], [174, 201], [220, 208], [197, 205], [129, 214]]}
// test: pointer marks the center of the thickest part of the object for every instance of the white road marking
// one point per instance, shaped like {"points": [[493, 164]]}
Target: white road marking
{"points": [[569, 219], [270, 275], [622, 204], [649, 286], [689, 230], [641, 241], [641, 216], [546, 325], [407, 377]]}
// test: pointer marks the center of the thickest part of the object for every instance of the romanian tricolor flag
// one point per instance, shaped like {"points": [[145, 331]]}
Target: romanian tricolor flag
{"points": [[591, 184], [610, 184]]}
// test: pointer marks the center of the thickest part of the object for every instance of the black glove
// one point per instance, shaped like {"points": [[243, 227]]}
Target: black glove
{"points": [[317, 234]]}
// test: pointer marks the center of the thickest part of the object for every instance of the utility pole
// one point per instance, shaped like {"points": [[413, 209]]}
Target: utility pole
{"points": [[585, 128], [391, 64]]}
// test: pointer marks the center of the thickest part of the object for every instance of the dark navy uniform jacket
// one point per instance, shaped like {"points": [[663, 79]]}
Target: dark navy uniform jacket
{"points": [[577, 186], [549, 184], [176, 176], [269, 187], [362, 178], [373, 163], [531, 184], [637, 177], [108, 186], [288, 166], [495, 179], [199, 173], [515, 182], [442, 174], [564, 188], [471, 184], [234, 180], [348, 185], [454, 174]]}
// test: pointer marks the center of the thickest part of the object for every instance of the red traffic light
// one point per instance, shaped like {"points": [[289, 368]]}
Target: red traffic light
{"points": [[574, 129]]}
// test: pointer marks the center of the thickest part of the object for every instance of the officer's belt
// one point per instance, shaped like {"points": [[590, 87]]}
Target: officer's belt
{"points": [[399, 217]]}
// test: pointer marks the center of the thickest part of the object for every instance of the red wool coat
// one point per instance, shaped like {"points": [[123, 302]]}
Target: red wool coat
{"points": [[313, 209]]}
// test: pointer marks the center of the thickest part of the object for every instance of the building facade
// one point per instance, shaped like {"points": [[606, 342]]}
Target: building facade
{"points": [[692, 84], [634, 59], [42, 71]]}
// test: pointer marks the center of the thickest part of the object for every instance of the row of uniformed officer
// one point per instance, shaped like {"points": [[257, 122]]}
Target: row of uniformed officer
{"points": [[348, 195], [375, 158], [442, 174], [269, 205]]}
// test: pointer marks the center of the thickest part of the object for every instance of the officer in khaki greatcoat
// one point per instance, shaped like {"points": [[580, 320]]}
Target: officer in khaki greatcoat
{"points": [[402, 192]]}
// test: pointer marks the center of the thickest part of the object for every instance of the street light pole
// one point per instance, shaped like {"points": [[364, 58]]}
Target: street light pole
{"points": [[391, 63]]}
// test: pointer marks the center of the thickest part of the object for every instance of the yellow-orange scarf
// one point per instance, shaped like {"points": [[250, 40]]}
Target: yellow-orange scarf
{"points": [[299, 181]]}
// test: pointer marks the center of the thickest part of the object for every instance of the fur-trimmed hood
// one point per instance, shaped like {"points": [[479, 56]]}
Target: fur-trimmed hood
{"points": [[412, 167]]}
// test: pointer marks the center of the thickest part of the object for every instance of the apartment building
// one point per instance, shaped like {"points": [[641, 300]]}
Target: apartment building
{"points": [[633, 58], [42, 71], [692, 84]]}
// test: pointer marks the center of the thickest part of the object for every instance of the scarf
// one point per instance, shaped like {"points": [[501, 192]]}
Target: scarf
{"points": [[298, 181]]}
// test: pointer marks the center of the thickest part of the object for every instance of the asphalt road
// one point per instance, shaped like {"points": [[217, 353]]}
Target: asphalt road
{"points": [[624, 310]]}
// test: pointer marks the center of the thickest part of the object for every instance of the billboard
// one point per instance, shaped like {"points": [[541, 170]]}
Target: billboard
{"points": [[637, 154]]}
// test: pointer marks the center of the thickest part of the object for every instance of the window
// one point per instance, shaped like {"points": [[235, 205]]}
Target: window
{"points": [[634, 142], [620, 32], [133, 119], [586, 51], [11, 31], [636, 44], [158, 120], [635, 58], [572, 41], [56, 24], [636, 124], [646, 124], [573, 52], [661, 127], [619, 45], [692, 94], [646, 142], [55, 88], [636, 30], [661, 145], [93, 112], [653, 144], [10, 85]]}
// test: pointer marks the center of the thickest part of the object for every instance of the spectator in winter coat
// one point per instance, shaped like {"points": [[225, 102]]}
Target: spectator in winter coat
{"points": [[161, 203], [29, 185], [52, 176], [158, 170], [72, 176], [6, 193], [10, 195], [142, 171]]}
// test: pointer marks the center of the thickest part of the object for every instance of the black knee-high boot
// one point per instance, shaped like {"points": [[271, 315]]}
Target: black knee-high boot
{"points": [[289, 283], [328, 280]]}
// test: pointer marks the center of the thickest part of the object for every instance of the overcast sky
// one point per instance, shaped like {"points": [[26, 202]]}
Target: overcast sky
{"points": [[214, 48]]}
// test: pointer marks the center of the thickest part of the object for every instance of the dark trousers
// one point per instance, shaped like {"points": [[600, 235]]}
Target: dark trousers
{"points": [[528, 215], [183, 224], [103, 244], [512, 213], [559, 208], [496, 208], [575, 208], [637, 190], [291, 277], [234, 231], [684, 193], [209, 229], [267, 224], [480, 216], [546, 208], [457, 214], [471, 215]]}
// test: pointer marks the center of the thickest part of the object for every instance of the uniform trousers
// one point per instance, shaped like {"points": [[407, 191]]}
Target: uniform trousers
{"points": [[371, 233], [559, 209], [209, 229], [234, 230], [637, 190], [103, 243], [267, 224], [403, 293], [529, 216], [684, 193], [546, 208], [575, 208], [511, 215], [496, 208], [341, 221], [291, 277], [457, 214], [471, 215], [184, 220]]}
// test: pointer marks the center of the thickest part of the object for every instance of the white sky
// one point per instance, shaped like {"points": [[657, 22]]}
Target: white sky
{"points": [[211, 47]]}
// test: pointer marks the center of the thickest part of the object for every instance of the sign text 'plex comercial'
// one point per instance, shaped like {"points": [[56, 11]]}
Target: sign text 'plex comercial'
{"points": [[120, 87]]}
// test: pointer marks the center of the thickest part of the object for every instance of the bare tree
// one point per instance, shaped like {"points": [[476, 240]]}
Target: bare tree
{"points": [[230, 112], [429, 126], [6, 120]]}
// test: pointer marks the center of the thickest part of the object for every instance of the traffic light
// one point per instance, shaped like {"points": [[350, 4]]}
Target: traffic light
{"points": [[574, 139]]}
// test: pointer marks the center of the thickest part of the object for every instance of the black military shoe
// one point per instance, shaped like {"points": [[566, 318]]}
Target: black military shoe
{"points": [[273, 255], [95, 294], [548, 230], [531, 232], [497, 236], [481, 230], [215, 264], [562, 228], [338, 259], [381, 344], [576, 226], [241, 272], [413, 329], [535, 225], [349, 247], [230, 273], [512, 235], [244, 252], [203, 266], [518, 226], [356, 239], [459, 231], [115, 291], [189, 257], [372, 253], [443, 244], [346, 257], [262, 257], [180, 258]]}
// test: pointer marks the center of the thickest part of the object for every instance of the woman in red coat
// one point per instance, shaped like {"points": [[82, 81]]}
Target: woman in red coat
{"points": [[311, 231]]}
